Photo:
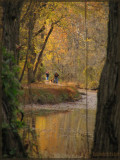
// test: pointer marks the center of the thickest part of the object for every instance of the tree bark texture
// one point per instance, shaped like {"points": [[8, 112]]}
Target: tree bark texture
{"points": [[107, 127], [10, 37], [11, 23]]}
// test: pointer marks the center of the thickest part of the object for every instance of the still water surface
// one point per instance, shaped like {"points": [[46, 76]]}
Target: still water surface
{"points": [[58, 135]]}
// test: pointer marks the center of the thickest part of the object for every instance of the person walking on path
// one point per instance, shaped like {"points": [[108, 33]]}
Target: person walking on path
{"points": [[56, 75], [47, 75]]}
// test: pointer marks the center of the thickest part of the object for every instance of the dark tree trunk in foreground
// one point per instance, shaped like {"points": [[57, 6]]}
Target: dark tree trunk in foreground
{"points": [[107, 128], [10, 38], [11, 23]]}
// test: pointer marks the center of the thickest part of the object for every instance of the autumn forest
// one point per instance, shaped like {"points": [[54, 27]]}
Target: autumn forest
{"points": [[53, 38], [59, 79]]}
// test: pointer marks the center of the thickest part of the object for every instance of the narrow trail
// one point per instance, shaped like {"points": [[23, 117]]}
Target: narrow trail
{"points": [[91, 99]]}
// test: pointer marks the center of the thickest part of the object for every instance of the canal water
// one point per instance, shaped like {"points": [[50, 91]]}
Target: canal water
{"points": [[58, 134]]}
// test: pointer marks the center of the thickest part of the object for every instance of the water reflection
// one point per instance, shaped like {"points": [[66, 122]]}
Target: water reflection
{"points": [[58, 135]]}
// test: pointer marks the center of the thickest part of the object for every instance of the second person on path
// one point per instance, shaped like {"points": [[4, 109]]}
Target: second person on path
{"points": [[56, 75], [47, 75]]}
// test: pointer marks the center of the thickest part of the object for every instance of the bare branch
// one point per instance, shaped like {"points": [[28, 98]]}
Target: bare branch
{"points": [[23, 70], [58, 20], [44, 45], [24, 16], [41, 30]]}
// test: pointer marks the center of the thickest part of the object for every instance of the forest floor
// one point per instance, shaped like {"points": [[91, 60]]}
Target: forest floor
{"points": [[58, 97]]}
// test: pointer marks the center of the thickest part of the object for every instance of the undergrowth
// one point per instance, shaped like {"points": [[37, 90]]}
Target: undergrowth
{"points": [[49, 95]]}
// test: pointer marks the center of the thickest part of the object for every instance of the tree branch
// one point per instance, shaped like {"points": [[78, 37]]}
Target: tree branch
{"points": [[21, 77], [24, 16], [40, 55], [41, 30], [58, 20]]}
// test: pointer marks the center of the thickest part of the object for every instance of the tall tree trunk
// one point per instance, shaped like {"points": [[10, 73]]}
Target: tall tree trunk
{"points": [[32, 55], [107, 127], [11, 23], [39, 60], [10, 37]]}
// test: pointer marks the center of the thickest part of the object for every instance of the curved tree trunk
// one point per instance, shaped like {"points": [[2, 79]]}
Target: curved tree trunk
{"points": [[107, 127]]}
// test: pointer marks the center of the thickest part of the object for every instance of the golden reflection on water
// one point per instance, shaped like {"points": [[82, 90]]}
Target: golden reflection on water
{"points": [[59, 135]]}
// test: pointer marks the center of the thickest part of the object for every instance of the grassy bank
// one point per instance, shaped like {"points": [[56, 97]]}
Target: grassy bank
{"points": [[49, 94]]}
